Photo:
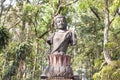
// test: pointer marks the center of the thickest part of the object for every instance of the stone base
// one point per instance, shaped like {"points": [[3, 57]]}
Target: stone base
{"points": [[60, 78], [76, 77], [59, 60], [57, 78], [59, 66]]}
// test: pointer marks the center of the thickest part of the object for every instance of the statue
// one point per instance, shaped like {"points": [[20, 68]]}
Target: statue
{"points": [[62, 37], [59, 62]]}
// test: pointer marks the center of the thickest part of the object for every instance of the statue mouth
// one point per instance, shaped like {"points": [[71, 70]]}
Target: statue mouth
{"points": [[61, 26]]}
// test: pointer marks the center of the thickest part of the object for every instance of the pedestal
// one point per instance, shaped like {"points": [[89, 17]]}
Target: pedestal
{"points": [[59, 67]]}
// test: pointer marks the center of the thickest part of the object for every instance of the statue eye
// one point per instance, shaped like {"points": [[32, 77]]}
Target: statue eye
{"points": [[58, 21]]}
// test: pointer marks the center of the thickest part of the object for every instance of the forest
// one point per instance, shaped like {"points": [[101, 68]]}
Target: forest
{"points": [[26, 24]]}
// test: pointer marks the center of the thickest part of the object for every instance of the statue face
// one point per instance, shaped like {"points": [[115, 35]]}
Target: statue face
{"points": [[61, 23]]}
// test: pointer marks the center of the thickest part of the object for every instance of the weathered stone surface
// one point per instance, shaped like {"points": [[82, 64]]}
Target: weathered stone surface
{"points": [[58, 78], [59, 66], [59, 62]]}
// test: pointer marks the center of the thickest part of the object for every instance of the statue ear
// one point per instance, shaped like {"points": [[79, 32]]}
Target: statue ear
{"points": [[55, 24]]}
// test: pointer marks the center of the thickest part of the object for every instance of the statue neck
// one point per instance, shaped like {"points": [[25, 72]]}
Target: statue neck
{"points": [[61, 30]]}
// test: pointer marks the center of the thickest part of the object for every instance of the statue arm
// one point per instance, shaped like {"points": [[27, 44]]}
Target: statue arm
{"points": [[50, 39], [73, 38]]}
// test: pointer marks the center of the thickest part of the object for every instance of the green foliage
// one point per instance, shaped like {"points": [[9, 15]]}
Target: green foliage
{"points": [[114, 7], [114, 43], [10, 54], [84, 5], [97, 63], [109, 72], [78, 61], [111, 45], [99, 4], [65, 10], [30, 11], [22, 50], [55, 4], [4, 37], [116, 23]]}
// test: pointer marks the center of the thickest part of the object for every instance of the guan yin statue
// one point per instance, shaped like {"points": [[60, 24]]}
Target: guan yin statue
{"points": [[59, 62]]}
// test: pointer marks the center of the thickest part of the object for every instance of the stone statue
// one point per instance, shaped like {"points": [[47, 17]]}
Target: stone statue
{"points": [[62, 37], [59, 62]]}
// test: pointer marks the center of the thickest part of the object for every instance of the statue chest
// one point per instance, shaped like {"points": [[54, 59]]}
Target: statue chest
{"points": [[58, 37]]}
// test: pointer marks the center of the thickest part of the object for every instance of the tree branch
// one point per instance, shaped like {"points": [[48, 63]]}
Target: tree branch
{"points": [[7, 12], [1, 5], [95, 13], [113, 16], [104, 63], [71, 3], [60, 7], [15, 24], [44, 33]]}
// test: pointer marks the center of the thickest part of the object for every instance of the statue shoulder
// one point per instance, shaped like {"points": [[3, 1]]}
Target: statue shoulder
{"points": [[50, 38], [71, 32]]}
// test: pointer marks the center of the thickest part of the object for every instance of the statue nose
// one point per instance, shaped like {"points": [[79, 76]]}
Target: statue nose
{"points": [[60, 22]]}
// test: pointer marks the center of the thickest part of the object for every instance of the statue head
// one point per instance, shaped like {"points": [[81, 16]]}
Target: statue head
{"points": [[60, 22]]}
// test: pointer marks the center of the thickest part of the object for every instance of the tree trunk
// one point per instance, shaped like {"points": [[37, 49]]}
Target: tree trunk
{"points": [[28, 31], [35, 60], [106, 30]]}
